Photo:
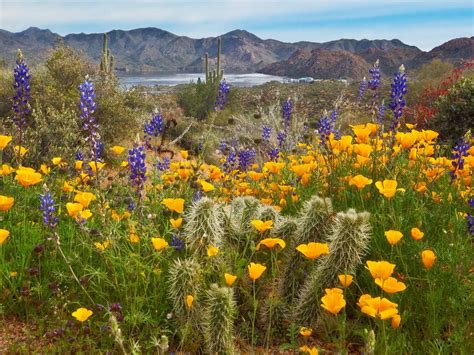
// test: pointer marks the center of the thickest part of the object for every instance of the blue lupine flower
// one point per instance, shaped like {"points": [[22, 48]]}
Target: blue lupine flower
{"points": [[79, 156], [362, 88], [88, 106], [471, 202], [222, 146], [50, 219], [154, 127], [22, 88], [326, 126], [177, 243], [281, 136], [374, 82], [470, 224], [197, 196], [230, 161], [163, 165], [274, 153], [221, 99], [460, 151], [246, 158], [380, 118], [287, 110], [136, 161], [398, 102], [266, 133]]}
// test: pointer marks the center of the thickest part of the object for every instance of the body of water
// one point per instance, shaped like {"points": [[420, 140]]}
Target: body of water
{"points": [[171, 79]]}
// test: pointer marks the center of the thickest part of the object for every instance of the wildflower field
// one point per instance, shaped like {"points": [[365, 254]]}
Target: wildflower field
{"points": [[296, 236]]}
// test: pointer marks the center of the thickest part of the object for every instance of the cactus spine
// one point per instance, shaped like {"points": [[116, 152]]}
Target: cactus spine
{"points": [[218, 320], [348, 239]]}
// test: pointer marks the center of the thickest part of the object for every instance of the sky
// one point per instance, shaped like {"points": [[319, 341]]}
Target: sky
{"points": [[425, 24]]}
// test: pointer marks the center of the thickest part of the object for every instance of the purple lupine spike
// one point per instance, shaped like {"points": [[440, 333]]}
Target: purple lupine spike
{"points": [[398, 102], [246, 158], [230, 161], [177, 243], [274, 153], [380, 118], [374, 82], [88, 107], [21, 106], [287, 110], [460, 151], [50, 219], [281, 137], [163, 165], [266, 133], [362, 89], [136, 162], [222, 95]]}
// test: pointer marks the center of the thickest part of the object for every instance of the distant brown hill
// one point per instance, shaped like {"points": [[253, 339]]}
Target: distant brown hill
{"points": [[153, 49]]}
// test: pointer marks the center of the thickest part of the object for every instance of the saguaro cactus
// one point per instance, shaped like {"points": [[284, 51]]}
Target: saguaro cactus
{"points": [[107, 60], [214, 76]]}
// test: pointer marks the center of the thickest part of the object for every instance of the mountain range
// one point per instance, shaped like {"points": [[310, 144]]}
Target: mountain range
{"points": [[153, 49]]}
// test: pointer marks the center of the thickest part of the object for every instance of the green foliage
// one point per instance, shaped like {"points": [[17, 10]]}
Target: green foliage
{"points": [[429, 75], [455, 111], [197, 99]]}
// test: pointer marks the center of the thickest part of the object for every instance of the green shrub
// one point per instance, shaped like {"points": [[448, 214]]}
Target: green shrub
{"points": [[455, 111], [197, 99]]}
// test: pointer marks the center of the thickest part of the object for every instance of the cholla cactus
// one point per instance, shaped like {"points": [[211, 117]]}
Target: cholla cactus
{"points": [[238, 216], [348, 243], [218, 320], [312, 225], [204, 225], [285, 228], [266, 213], [314, 220], [184, 279]]}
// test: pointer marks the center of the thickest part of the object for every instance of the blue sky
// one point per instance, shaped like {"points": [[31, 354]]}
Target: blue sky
{"points": [[425, 24]]}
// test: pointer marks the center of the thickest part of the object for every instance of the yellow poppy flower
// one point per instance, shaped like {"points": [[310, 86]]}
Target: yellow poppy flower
{"points": [[333, 301], [380, 269], [134, 238], [393, 236], [4, 140], [262, 226], [176, 223], [56, 160], [212, 251], [6, 203], [256, 271], [428, 257], [360, 181], [117, 149], [270, 243], [313, 250], [189, 301], [84, 198], [416, 234], [229, 279], [73, 208], [396, 321], [45, 169], [82, 314], [306, 332], [84, 215], [96, 166], [345, 280], [378, 307], [21, 150], [78, 164], [6, 170], [102, 246], [391, 285], [207, 187], [3, 235], [174, 204], [184, 154], [159, 243], [27, 177], [310, 351], [387, 188]]}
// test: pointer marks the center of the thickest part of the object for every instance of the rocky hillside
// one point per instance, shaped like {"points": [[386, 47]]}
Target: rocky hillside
{"points": [[153, 49]]}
